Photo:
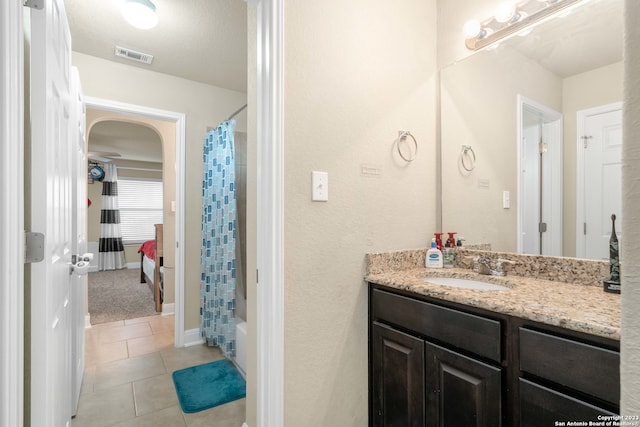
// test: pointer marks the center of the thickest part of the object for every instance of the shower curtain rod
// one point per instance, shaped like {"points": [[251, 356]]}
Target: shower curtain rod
{"points": [[209, 128], [237, 112]]}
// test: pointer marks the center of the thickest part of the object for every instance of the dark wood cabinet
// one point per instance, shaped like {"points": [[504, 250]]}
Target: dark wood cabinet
{"points": [[461, 391], [416, 381], [563, 379], [436, 363], [541, 406], [398, 387]]}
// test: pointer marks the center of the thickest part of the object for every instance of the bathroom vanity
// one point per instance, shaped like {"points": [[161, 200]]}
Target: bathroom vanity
{"points": [[537, 353]]}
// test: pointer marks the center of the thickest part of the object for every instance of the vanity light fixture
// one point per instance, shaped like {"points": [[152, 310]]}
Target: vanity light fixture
{"points": [[140, 13], [511, 18]]}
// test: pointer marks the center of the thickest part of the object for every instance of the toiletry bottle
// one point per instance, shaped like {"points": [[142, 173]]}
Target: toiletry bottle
{"points": [[448, 255], [452, 239], [449, 251], [438, 238], [434, 256]]}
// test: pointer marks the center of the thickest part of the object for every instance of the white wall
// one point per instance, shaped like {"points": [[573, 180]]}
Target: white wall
{"points": [[356, 73], [630, 250], [204, 106]]}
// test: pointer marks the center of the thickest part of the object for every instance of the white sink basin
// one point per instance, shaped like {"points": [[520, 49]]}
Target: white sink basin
{"points": [[465, 283]]}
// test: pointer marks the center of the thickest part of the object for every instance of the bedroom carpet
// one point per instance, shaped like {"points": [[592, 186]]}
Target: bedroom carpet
{"points": [[205, 386], [118, 295]]}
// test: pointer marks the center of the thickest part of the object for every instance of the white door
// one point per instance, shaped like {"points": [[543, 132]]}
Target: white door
{"points": [[540, 166], [79, 232], [601, 140], [53, 155], [530, 179], [551, 187]]}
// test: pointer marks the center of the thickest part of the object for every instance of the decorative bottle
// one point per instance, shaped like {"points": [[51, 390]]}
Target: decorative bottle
{"points": [[613, 284]]}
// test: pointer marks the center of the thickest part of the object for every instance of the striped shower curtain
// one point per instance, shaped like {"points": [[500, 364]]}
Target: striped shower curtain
{"points": [[111, 249], [218, 253]]}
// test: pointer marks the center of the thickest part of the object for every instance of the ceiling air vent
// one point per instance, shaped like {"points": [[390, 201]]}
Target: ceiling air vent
{"points": [[133, 55]]}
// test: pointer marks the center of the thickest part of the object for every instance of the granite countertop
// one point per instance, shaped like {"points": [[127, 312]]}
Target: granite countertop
{"points": [[576, 306]]}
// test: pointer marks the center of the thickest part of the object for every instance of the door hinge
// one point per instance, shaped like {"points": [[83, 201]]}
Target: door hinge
{"points": [[257, 271], [33, 247], [542, 227], [585, 140], [584, 228], [34, 4]]}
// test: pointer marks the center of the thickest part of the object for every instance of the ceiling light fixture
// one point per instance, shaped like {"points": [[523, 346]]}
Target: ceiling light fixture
{"points": [[140, 13], [512, 18]]}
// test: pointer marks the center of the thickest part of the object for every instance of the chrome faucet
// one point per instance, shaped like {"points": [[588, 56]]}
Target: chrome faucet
{"points": [[482, 265]]}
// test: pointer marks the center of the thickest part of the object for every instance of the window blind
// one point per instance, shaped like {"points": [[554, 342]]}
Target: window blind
{"points": [[140, 208]]}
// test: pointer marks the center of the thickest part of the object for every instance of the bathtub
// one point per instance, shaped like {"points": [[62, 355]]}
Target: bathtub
{"points": [[241, 345]]}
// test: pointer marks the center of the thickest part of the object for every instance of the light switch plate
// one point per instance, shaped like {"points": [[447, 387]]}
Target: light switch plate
{"points": [[506, 200], [319, 186]]}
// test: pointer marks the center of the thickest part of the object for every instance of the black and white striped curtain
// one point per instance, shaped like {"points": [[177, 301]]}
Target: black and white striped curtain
{"points": [[111, 251]]}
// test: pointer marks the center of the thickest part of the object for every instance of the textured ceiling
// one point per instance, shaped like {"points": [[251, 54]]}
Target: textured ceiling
{"points": [[201, 40], [589, 37]]}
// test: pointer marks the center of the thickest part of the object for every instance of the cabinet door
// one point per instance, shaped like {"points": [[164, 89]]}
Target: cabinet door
{"points": [[542, 407], [461, 391], [398, 378]]}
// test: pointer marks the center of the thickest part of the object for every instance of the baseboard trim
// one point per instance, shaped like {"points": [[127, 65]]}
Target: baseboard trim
{"points": [[93, 269], [87, 321], [168, 309], [192, 337], [133, 265]]}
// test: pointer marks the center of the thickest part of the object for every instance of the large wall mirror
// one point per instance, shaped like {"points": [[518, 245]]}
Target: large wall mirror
{"points": [[531, 134]]}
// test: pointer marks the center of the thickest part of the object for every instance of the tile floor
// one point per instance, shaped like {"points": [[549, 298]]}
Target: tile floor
{"points": [[127, 380]]}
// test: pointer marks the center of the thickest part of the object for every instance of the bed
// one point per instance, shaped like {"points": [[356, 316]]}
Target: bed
{"points": [[151, 266]]}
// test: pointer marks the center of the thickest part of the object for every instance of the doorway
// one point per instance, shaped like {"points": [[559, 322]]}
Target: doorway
{"points": [[173, 124], [540, 175], [134, 150], [599, 180]]}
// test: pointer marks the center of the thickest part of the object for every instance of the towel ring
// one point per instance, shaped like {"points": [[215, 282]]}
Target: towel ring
{"points": [[402, 135], [464, 154]]}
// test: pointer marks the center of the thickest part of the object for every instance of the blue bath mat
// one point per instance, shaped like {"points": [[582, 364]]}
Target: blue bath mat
{"points": [[211, 384]]}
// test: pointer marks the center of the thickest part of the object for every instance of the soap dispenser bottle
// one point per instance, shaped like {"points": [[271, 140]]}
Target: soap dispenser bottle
{"points": [[434, 256], [448, 252]]}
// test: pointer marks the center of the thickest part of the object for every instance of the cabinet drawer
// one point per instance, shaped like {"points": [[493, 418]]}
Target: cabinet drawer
{"points": [[542, 407], [583, 367], [466, 331]]}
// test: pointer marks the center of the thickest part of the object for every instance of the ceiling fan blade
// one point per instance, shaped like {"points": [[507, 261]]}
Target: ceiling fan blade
{"points": [[102, 156]]}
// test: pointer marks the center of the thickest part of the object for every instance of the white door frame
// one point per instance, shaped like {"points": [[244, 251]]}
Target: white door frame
{"points": [[12, 213], [270, 304], [581, 117], [179, 119], [270, 227], [555, 196]]}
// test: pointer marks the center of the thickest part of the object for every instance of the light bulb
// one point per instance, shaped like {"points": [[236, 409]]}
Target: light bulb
{"points": [[472, 29], [506, 11]]}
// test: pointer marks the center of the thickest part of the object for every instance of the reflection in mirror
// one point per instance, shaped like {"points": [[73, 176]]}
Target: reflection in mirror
{"points": [[541, 86], [540, 168]]}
